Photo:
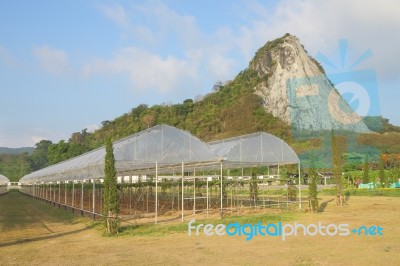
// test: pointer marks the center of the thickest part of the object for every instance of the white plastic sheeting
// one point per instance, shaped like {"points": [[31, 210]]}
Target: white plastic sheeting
{"points": [[4, 180], [170, 147], [166, 145], [254, 149]]}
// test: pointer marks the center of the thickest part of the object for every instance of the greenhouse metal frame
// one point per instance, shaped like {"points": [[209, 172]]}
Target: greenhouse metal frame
{"points": [[256, 149], [166, 153]]}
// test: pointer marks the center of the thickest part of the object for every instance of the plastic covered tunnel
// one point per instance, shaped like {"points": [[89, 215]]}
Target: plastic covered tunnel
{"points": [[190, 171]]}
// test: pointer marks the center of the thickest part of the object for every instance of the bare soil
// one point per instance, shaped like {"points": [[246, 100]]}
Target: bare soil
{"points": [[34, 233]]}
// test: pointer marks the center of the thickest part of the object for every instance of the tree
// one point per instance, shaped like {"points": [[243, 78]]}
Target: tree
{"points": [[382, 177], [39, 157], [337, 169], [217, 86], [148, 120], [110, 195], [291, 190], [312, 186], [57, 152], [365, 179], [337, 150], [253, 186]]}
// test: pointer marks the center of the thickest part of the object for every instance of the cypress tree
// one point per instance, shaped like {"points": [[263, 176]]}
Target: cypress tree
{"points": [[110, 195], [366, 170], [382, 177], [337, 166], [253, 186], [312, 186]]}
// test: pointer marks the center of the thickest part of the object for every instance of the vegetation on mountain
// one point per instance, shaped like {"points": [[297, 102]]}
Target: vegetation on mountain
{"points": [[380, 124], [5, 150]]}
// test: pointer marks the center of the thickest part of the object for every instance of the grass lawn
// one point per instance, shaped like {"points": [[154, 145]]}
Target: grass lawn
{"points": [[36, 233]]}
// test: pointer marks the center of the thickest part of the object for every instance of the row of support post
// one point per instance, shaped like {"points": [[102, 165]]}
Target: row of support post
{"points": [[194, 192], [39, 191]]}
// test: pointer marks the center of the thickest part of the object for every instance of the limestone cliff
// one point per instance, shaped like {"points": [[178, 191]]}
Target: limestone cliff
{"points": [[294, 87]]}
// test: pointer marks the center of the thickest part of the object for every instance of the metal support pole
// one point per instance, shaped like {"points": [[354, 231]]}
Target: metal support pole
{"points": [[65, 193], [73, 194], [222, 214], [82, 198], [155, 217], [94, 195], [207, 197], [194, 191], [183, 176], [299, 188]]}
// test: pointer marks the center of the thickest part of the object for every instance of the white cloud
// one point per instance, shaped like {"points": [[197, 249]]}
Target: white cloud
{"points": [[116, 13], [193, 55], [165, 22], [320, 24], [15, 138], [219, 54], [220, 67], [36, 139], [35, 135], [147, 71], [54, 61], [92, 128]]}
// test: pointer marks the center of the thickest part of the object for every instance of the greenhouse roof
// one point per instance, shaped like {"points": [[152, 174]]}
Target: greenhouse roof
{"points": [[166, 145], [165, 148], [254, 149], [4, 180]]}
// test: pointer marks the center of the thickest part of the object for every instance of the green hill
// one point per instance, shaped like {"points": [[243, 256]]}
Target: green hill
{"points": [[5, 150]]}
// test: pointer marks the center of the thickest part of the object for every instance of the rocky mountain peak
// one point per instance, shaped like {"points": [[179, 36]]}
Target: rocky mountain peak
{"points": [[294, 87]]}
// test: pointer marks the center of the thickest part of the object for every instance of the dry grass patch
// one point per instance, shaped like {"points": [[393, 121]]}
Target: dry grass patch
{"points": [[175, 247]]}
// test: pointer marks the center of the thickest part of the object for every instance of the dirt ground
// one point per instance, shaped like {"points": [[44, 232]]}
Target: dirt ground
{"points": [[41, 238]]}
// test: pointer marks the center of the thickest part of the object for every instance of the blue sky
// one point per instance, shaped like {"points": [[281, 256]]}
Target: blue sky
{"points": [[69, 65]]}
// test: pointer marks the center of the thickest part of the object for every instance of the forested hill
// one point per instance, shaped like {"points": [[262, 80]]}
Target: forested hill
{"points": [[5, 150]]}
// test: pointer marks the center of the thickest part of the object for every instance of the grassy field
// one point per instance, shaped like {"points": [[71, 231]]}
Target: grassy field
{"points": [[36, 233]]}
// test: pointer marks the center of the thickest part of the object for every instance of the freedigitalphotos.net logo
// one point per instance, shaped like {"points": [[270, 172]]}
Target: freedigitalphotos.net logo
{"points": [[335, 101], [280, 230]]}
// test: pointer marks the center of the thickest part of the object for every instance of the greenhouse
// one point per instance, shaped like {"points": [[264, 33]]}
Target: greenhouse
{"points": [[3, 184], [254, 150], [160, 170], [166, 145]]}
